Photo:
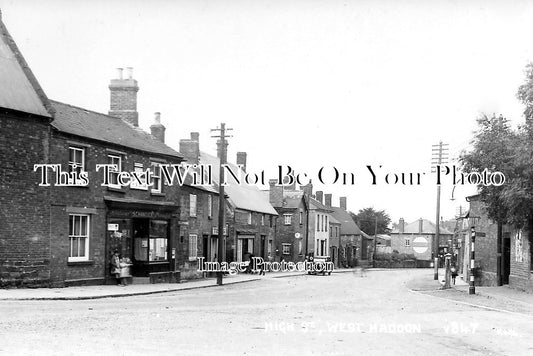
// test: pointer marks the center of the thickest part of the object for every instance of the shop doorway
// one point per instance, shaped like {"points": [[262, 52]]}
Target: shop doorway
{"points": [[150, 246], [506, 256]]}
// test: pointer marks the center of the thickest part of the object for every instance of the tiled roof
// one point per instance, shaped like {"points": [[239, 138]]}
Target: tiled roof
{"points": [[292, 199], [348, 226], [316, 205], [19, 89], [81, 122], [242, 196], [428, 227]]}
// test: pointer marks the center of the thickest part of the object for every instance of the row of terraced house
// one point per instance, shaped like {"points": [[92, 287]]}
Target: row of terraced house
{"points": [[52, 235]]}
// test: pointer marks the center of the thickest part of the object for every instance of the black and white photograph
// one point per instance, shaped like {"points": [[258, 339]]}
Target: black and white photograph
{"points": [[266, 177]]}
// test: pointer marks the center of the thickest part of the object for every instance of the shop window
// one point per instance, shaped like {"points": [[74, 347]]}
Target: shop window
{"points": [[114, 171], [286, 249], [134, 184], [76, 160], [158, 250], [192, 205], [156, 177], [193, 247], [287, 219], [78, 237]]}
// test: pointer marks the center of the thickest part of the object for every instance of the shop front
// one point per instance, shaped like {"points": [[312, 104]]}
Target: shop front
{"points": [[142, 233]]}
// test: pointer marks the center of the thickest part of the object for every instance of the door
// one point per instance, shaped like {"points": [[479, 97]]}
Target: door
{"points": [[506, 256], [263, 242]]}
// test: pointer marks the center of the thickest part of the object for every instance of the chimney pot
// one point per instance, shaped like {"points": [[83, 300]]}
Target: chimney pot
{"points": [[319, 195], [119, 73], [129, 71], [195, 136], [157, 129], [157, 118]]}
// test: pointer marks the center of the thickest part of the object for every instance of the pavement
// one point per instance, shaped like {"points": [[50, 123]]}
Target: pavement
{"points": [[114, 291]]}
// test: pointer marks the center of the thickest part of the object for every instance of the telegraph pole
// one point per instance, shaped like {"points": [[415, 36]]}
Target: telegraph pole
{"points": [[221, 199], [439, 155]]}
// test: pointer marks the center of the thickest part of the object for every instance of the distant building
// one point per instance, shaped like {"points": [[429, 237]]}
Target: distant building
{"points": [[417, 238]]}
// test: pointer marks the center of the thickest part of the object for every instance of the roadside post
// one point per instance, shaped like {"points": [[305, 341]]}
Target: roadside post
{"points": [[448, 275]]}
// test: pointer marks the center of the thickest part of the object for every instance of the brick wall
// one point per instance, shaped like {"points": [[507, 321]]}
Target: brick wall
{"points": [[24, 206], [285, 234], [66, 200]]}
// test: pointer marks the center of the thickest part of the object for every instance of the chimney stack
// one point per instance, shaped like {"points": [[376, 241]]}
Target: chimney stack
{"points": [[342, 203], [401, 226], [190, 149], [327, 200], [319, 195], [123, 97], [420, 226], [241, 159], [307, 189], [275, 194], [157, 129]]}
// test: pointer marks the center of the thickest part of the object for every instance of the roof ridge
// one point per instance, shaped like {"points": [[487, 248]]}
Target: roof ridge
{"points": [[88, 110]]}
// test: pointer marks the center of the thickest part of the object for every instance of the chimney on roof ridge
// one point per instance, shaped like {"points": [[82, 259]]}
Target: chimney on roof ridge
{"points": [[241, 159], [401, 226], [327, 200], [123, 97], [420, 225], [275, 193], [318, 196], [157, 129], [308, 189], [190, 149], [342, 203]]}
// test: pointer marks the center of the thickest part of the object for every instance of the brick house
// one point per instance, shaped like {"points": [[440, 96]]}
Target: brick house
{"points": [[514, 267], [25, 116], [352, 243], [249, 217], [417, 238], [292, 230], [199, 214]]}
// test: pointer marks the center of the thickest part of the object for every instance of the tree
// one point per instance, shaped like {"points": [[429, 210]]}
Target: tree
{"points": [[497, 147], [366, 220], [493, 148]]}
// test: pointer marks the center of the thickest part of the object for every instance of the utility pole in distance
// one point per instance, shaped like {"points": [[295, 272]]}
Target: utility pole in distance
{"points": [[439, 155], [221, 199]]}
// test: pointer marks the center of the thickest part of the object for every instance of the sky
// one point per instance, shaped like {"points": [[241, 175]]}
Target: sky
{"points": [[307, 84]]}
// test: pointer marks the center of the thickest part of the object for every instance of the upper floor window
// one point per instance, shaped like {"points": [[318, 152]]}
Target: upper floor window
{"points": [[407, 242], [156, 177], [114, 171], [286, 249], [287, 219], [326, 223], [249, 217], [263, 219], [76, 159], [192, 204], [301, 220], [134, 184]]}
